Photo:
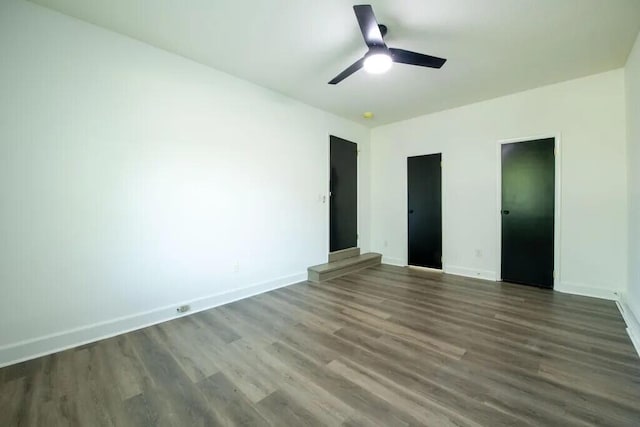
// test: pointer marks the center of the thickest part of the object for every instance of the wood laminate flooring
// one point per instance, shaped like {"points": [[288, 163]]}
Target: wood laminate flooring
{"points": [[384, 346]]}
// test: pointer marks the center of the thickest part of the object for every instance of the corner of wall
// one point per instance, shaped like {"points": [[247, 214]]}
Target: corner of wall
{"points": [[631, 314], [630, 300]]}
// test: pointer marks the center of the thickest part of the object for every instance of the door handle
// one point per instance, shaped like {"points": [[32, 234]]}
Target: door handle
{"points": [[505, 212], [410, 211]]}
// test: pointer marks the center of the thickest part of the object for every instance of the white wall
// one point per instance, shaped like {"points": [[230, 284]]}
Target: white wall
{"points": [[632, 80], [132, 180], [589, 115]]}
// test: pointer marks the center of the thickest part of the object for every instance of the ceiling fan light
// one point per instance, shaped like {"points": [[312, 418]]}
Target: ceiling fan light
{"points": [[377, 63]]}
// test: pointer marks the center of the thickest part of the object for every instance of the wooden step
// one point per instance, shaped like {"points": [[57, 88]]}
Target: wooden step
{"points": [[330, 270], [345, 253]]}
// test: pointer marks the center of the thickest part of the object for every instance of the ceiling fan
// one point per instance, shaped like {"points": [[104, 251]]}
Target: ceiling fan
{"points": [[380, 57]]}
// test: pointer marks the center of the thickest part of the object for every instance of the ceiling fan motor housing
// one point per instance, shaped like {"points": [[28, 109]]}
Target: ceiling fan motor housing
{"points": [[377, 50]]}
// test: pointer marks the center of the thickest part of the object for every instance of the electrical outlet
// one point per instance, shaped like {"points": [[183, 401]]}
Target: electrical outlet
{"points": [[478, 253], [183, 309]]}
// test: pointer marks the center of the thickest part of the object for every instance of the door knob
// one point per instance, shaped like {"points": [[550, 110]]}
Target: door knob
{"points": [[505, 212], [410, 211]]}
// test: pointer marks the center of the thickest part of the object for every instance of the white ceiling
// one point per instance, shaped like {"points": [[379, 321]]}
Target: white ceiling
{"points": [[494, 47]]}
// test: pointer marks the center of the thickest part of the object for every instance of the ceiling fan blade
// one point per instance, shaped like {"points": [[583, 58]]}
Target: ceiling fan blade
{"points": [[346, 73], [414, 58], [368, 25]]}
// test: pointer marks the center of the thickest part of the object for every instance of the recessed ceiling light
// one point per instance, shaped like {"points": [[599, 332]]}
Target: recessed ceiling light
{"points": [[368, 115]]}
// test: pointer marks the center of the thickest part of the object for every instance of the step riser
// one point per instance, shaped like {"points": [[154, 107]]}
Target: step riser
{"points": [[345, 253], [315, 276], [352, 269]]}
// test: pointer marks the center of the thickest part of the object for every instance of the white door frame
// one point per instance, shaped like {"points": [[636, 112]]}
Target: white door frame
{"points": [[558, 199]]}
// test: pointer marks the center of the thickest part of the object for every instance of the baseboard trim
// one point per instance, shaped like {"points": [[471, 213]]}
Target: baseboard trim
{"points": [[630, 317], [587, 291], [469, 272], [53, 343], [393, 261]]}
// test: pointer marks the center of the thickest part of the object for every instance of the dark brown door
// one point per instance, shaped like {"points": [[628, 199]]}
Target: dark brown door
{"points": [[343, 202], [528, 203], [424, 186]]}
